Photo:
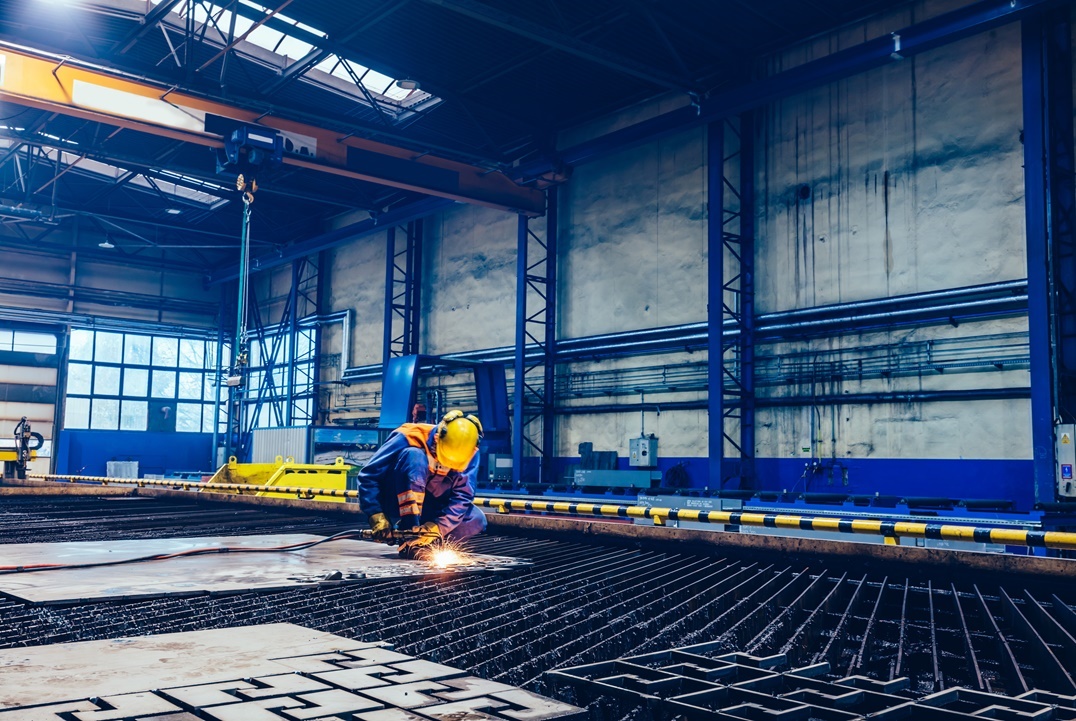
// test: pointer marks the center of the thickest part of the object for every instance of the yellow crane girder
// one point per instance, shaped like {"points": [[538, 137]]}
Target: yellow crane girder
{"points": [[99, 94]]}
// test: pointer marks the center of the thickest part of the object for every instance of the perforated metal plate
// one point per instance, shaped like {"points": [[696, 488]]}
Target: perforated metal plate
{"points": [[341, 561], [255, 673]]}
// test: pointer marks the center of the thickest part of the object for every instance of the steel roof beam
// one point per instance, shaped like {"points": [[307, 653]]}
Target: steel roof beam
{"points": [[295, 70], [565, 43], [320, 52], [378, 131], [235, 41], [150, 21], [893, 47], [69, 87], [374, 224]]}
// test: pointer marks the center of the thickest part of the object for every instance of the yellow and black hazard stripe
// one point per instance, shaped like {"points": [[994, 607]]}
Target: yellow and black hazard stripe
{"points": [[1060, 540], [183, 485], [888, 529]]}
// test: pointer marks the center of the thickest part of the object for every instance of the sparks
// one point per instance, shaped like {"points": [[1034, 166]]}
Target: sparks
{"points": [[446, 557]]}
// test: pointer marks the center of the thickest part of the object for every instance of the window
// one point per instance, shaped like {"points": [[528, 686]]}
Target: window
{"points": [[129, 382], [23, 342], [33, 342], [281, 40], [183, 188], [270, 375]]}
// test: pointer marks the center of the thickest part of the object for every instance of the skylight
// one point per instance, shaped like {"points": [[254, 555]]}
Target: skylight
{"points": [[167, 182], [363, 84], [144, 182]]}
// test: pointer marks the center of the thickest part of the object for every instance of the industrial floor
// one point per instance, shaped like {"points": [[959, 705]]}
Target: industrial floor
{"points": [[582, 603]]}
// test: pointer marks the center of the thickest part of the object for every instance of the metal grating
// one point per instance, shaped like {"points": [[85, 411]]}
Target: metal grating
{"points": [[583, 603], [693, 682]]}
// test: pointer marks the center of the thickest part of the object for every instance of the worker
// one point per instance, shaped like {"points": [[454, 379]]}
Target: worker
{"points": [[423, 479]]}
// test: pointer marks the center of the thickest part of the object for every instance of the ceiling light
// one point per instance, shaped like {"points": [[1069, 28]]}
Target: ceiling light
{"points": [[106, 243], [407, 84], [173, 211]]}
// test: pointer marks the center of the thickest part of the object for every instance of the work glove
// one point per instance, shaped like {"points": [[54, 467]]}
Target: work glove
{"points": [[382, 529], [428, 535]]}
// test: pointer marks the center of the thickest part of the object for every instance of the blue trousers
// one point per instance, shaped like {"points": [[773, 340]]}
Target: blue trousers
{"points": [[471, 525]]}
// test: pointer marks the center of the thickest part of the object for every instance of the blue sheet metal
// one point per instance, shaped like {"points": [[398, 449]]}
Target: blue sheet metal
{"points": [[398, 391]]}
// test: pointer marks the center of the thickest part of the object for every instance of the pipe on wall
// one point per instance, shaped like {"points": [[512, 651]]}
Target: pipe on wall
{"points": [[772, 326], [978, 394]]}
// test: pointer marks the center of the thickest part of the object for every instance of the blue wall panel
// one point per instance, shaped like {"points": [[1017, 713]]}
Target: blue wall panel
{"points": [[949, 478], [86, 452]]}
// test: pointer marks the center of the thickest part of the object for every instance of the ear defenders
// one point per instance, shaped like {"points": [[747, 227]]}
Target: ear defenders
{"points": [[442, 427]]}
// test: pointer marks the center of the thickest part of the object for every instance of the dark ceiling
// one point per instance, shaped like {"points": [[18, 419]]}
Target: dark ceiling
{"points": [[510, 74]]}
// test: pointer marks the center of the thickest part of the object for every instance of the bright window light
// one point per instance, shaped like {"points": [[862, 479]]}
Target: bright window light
{"points": [[293, 47], [265, 37], [394, 102], [378, 82], [208, 194]]}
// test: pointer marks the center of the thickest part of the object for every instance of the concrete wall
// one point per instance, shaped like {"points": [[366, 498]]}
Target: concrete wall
{"points": [[51, 275], [904, 179]]}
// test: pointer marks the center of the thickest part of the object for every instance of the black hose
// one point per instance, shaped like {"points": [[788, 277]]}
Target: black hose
{"points": [[353, 533]]}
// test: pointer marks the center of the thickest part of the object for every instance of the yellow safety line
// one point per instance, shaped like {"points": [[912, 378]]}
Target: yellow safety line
{"points": [[889, 529], [200, 486]]}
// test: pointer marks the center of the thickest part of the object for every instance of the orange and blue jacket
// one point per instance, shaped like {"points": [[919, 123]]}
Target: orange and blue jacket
{"points": [[404, 481]]}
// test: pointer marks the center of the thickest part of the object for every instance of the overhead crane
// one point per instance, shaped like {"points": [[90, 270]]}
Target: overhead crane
{"points": [[70, 87]]}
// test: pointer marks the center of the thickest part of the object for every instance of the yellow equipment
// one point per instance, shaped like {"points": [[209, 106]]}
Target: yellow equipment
{"points": [[26, 444], [285, 472], [15, 463]]}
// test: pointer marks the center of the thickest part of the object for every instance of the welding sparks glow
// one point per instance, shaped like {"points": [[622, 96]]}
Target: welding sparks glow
{"points": [[446, 557]]}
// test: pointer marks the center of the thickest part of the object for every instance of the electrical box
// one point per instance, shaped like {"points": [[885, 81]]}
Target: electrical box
{"points": [[355, 445], [500, 467], [1065, 437], [644, 452], [121, 469]]}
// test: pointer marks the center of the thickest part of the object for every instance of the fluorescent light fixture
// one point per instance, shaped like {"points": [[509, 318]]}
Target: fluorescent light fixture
{"points": [[407, 84], [106, 243], [173, 211]]}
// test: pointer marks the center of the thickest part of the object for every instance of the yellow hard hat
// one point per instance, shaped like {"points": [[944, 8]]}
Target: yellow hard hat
{"points": [[457, 439]]}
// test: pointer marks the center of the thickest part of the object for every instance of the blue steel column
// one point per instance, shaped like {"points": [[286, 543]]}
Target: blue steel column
{"points": [[1048, 203], [519, 367], [293, 332], [747, 300], [321, 307], [220, 375], [549, 419], [414, 290], [403, 270], [390, 292], [715, 202]]}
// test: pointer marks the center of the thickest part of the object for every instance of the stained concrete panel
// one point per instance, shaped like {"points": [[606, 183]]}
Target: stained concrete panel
{"points": [[254, 673], [357, 273], [469, 286], [342, 561]]}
